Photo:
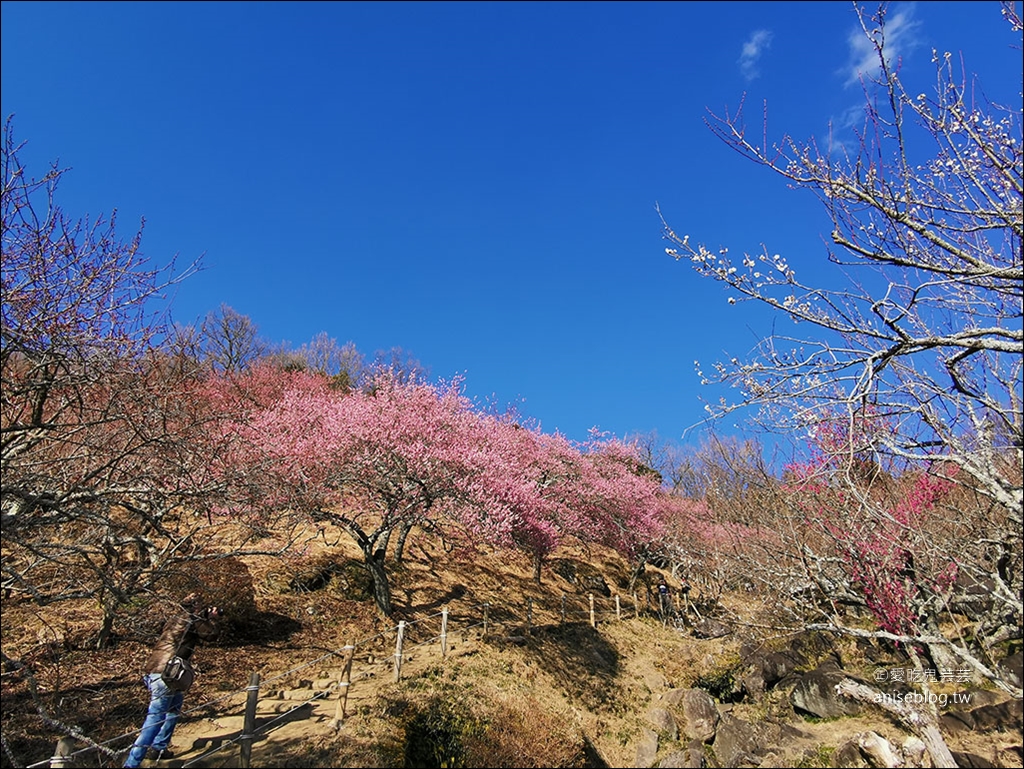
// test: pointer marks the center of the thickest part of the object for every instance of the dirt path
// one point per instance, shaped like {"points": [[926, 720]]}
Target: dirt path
{"points": [[303, 707]]}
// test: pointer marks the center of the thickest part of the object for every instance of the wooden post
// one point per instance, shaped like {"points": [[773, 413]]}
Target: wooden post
{"points": [[618, 607], [563, 608], [444, 632], [398, 650], [486, 606], [636, 606], [529, 616], [249, 723], [593, 619], [344, 681]]}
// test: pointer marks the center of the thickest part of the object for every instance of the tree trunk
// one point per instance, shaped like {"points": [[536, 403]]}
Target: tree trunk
{"points": [[921, 723], [374, 563], [107, 625], [400, 543], [538, 559], [940, 656], [373, 558], [638, 570]]}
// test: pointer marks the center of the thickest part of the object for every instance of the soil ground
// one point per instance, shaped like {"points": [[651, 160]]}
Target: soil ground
{"points": [[540, 688]]}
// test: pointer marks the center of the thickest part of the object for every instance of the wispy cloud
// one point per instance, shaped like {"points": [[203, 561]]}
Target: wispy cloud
{"points": [[900, 37], [759, 42], [843, 130]]}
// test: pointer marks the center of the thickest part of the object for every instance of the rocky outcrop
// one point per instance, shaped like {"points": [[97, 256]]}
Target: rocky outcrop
{"points": [[692, 728], [663, 722], [737, 742], [815, 693], [646, 749], [700, 715]]}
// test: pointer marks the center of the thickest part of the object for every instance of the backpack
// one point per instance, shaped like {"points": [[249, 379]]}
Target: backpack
{"points": [[178, 674]]}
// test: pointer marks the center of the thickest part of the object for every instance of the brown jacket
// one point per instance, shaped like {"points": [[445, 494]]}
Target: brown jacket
{"points": [[179, 637]]}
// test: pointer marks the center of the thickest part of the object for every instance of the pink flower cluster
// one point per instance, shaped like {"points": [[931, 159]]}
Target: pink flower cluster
{"points": [[875, 522], [409, 452]]}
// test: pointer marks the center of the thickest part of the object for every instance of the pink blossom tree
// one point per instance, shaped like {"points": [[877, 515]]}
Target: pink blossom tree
{"points": [[553, 489], [369, 462], [909, 544], [407, 453]]}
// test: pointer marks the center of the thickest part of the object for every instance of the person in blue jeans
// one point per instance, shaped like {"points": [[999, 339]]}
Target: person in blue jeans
{"points": [[178, 638]]}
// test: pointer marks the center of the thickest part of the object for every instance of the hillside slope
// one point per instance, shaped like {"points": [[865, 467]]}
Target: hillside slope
{"points": [[536, 686]]}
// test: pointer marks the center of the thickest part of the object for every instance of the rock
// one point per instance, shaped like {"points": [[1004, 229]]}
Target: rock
{"points": [[971, 761], [695, 754], [655, 681], [736, 741], [753, 685], [972, 597], [1005, 717], [663, 723], [848, 755], [710, 628], [674, 696], [956, 721], [878, 751], [815, 693], [700, 715], [1012, 669], [681, 759], [647, 749], [978, 697], [779, 665], [790, 732]]}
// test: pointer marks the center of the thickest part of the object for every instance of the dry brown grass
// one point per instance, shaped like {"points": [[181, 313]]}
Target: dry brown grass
{"points": [[563, 694]]}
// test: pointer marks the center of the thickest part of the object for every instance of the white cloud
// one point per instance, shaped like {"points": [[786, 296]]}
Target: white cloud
{"points": [[900, 37], [843, 130], [759, 42]]}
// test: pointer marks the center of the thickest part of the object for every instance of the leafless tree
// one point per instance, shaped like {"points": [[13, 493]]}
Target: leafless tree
{"points": [[928, 330], [919, 327], [231, 341], [106, 485]]}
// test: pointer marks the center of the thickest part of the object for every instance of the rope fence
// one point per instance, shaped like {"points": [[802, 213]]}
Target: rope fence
{"points": [[484, 620]]}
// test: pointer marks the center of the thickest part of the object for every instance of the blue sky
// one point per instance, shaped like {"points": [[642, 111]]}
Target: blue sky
{"points": [[473, 182]]}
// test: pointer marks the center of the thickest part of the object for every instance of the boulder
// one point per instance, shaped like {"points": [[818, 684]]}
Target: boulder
{"points": [[736, 742], [700, 715], [683, 759], [646, 749], [777, 666], [673, 697], [710, 628], [1003, 717], [971, 761], [753, 686], [848, 755], [815, 693], [663, 723], [972, 597], [1012, 669], [956, 721]]}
